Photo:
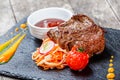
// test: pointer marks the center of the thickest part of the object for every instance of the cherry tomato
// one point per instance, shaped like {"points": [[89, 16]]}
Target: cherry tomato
{"points": [[77, 60]]}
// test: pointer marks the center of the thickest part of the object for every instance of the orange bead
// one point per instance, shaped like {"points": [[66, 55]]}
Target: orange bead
{"points": [[111, 70], [23, 26], [110, 76], [16, 29]]}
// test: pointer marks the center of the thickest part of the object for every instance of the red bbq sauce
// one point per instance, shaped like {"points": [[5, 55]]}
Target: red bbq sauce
{"points": [[50, 22]]}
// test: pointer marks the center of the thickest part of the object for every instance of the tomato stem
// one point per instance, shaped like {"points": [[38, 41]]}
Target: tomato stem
{"points": [[80, 49]]}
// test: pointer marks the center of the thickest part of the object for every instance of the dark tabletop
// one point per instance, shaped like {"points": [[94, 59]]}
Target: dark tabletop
{"points": [[106, 13]]}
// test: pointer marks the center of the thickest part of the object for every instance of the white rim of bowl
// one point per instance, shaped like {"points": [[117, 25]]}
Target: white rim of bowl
{"points": [[46, 9]]}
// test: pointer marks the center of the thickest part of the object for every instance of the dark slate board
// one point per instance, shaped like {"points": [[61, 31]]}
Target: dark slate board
{"points": [[21, 65]]}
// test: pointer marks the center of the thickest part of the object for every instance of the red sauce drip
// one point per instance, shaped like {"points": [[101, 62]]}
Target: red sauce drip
{"points": [[51, 22]]}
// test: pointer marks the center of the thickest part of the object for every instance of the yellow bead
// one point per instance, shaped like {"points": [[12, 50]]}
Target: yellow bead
{"points": [[110, 79], [23, 26], [110, 76], [111, 70], [112, 57], [111, 60], [16, 29], [110, 65]]}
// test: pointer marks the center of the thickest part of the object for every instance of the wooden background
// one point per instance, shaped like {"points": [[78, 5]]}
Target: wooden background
{"points": [[106, 13]]}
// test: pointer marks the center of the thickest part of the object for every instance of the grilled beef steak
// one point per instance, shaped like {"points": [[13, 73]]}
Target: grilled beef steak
{"points": [[80, 30]]}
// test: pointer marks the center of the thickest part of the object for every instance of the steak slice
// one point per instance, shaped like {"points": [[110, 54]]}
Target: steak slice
{"points": [[80, 30]]}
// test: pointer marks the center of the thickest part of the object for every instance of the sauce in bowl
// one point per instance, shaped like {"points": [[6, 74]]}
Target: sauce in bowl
{"points": [[48, 23]]}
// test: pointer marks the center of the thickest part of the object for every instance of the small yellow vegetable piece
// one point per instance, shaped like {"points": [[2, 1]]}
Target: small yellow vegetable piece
{"points": [[16, 29], [111, 70], [110, 79], [23, 26], [111, 60], [110, 76], [7, 55], [4, 45], [110, 65]]}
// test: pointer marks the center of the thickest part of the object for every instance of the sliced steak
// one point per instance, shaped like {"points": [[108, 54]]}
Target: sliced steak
{"points": [[80, 30]]}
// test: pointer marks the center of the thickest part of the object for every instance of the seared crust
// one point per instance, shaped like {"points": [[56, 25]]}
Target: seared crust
{"points": [[82, 31]]}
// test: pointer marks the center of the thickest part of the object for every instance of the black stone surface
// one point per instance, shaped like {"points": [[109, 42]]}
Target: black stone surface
{"points": [[21, 65]]}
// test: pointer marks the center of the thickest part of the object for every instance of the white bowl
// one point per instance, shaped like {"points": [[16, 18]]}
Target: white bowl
{"points": [[53, 12]]}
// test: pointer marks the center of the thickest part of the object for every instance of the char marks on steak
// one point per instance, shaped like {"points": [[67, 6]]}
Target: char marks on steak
{"points": [[80, 30]]}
